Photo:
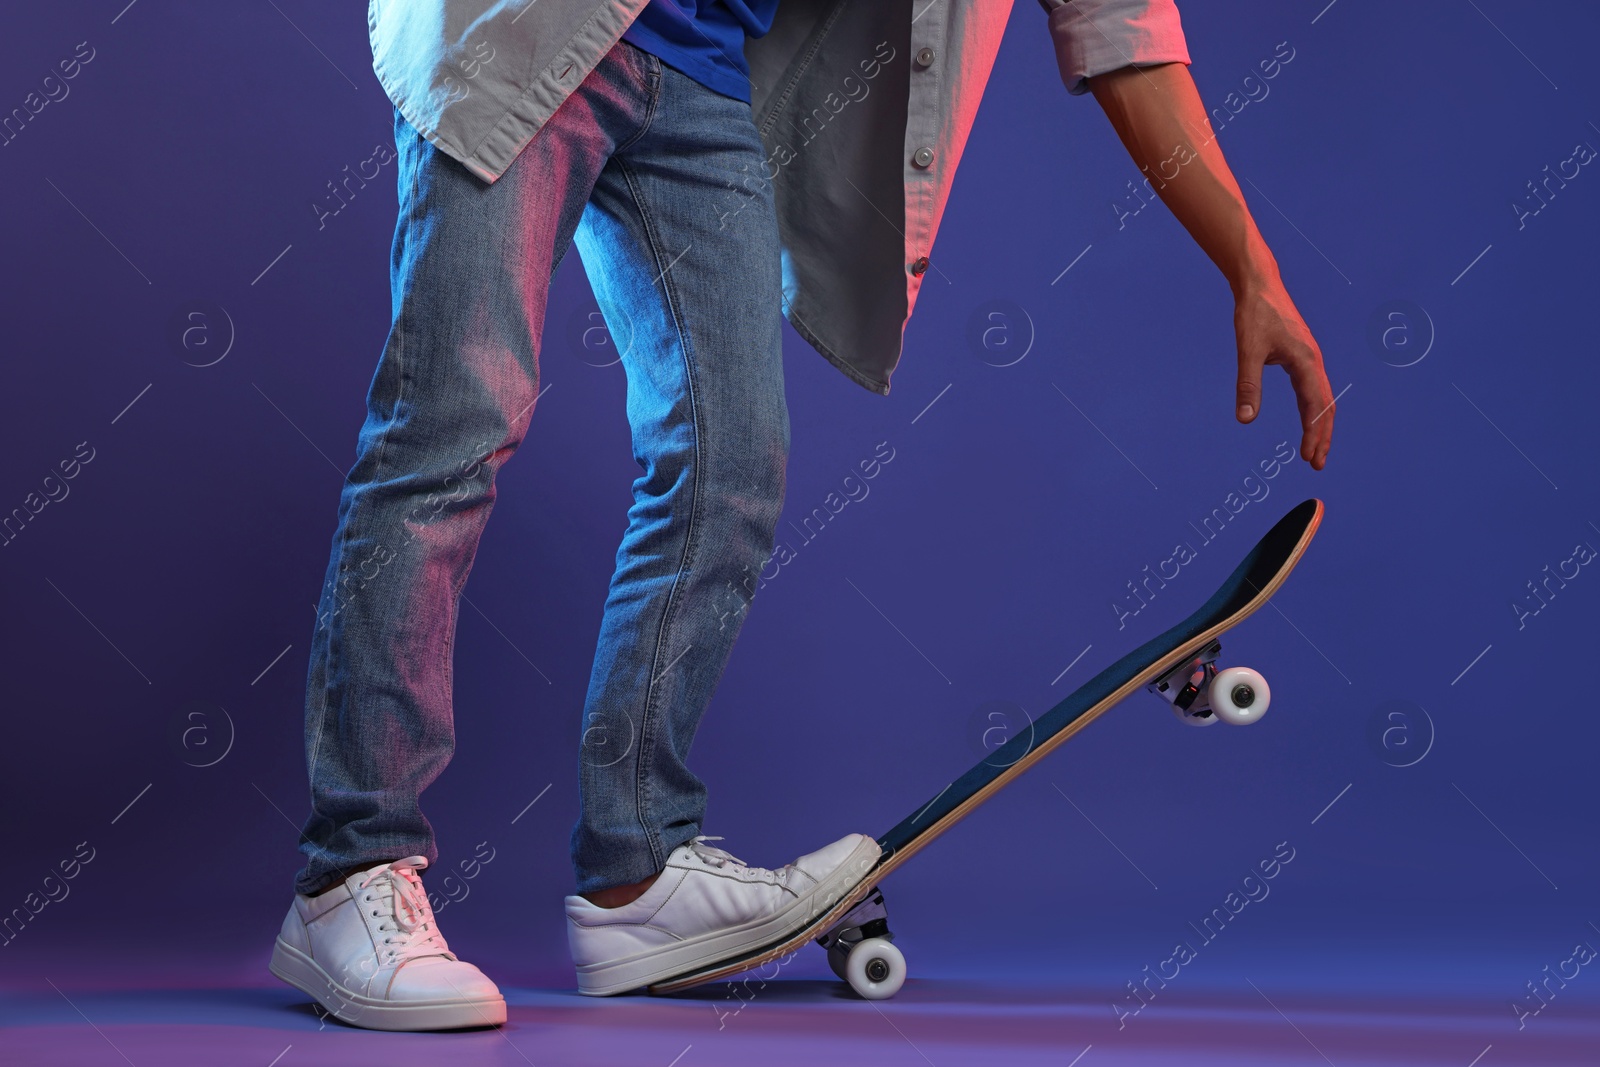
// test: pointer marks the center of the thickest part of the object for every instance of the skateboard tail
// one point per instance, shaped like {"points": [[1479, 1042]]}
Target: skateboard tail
{"points": [[1255, 579]]}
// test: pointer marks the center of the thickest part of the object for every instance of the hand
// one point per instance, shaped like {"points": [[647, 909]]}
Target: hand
{"points": [[1270, 331]]}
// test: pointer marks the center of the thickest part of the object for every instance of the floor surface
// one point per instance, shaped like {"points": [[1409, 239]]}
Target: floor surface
{"points": [[938, 1022]]}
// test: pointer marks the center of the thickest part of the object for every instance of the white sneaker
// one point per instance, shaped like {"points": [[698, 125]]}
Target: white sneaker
{"points": [[707, 907], [369, 952]]}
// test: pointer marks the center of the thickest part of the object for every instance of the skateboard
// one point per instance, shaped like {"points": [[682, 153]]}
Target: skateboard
{"points": [[1178, 666]]}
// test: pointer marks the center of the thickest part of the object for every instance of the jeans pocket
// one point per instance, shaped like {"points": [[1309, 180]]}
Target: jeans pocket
{"points": [[643, 65]]}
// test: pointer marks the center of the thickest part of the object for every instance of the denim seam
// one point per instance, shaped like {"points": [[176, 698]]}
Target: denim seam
{"points": [[652, 78], [647, 728]]}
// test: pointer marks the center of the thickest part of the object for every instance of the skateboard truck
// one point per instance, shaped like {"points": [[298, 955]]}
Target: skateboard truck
{"points": [[861, 949], [1200, 695]]}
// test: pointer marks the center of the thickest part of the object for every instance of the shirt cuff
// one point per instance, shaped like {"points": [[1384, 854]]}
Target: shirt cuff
{"points": [[1096, 36]]}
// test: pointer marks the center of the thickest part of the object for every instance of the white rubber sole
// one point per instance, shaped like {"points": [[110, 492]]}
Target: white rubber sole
{"points": [[693, 954], [301, 971]]}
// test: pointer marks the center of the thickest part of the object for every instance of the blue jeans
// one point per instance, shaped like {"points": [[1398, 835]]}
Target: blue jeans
{"points": [[662, 184]]}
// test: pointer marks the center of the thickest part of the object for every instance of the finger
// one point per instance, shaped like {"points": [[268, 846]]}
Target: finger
{"points": [[1324, 429], [1322, 421], [1247, 394], [1314, 398]]}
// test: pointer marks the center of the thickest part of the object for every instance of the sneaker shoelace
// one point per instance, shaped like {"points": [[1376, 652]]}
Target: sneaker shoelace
{"points": [[394, 895], [720, 858]]}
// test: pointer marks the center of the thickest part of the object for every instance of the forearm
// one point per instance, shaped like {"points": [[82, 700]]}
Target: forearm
{"points": [[1157, 113]]}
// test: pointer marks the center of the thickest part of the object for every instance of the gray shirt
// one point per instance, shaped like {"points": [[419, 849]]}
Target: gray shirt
{"points": [[864, 107]]}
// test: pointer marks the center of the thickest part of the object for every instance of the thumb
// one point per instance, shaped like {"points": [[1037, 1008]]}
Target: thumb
{"points": [[1248, 393]]}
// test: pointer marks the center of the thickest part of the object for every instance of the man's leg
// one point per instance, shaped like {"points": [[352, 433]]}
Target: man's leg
{"points": [[684, 261], [680, 241], [449, 403]]}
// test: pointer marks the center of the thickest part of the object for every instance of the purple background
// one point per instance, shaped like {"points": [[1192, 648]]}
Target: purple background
{"points": [[1382, 163]]}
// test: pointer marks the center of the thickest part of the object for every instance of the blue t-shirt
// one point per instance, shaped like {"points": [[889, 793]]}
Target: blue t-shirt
{"points": [[704, 39]]}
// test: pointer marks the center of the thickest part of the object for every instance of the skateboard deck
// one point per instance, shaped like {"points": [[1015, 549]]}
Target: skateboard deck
{"points": [[1250, 585]]}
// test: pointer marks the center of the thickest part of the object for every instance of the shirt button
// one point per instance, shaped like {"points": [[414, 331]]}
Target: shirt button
{"points": [[919, 266], [923, 157], [925, 58]]}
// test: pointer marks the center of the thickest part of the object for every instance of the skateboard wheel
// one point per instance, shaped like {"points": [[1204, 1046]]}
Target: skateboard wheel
{"points": [[1239, 696], [876, 969]]}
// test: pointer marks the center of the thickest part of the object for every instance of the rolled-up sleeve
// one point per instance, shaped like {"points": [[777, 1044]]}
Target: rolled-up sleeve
{"points": [[1096, 36]]}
